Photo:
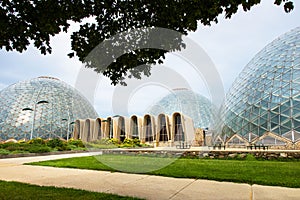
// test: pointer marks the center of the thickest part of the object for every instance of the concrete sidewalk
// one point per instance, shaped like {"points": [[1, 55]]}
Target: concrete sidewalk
{"points": [[143, 186]]}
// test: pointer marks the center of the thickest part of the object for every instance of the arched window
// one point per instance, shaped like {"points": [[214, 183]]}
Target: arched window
{"points": [[98, 129], [163, 134], [110, 128], [134, 127], [179, 134], [148, 127], [122, 128]]}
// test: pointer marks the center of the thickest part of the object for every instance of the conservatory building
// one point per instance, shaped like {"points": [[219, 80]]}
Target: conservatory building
{"points": [[263, 105]]}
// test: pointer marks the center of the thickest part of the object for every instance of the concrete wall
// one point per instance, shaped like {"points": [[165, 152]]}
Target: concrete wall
{"points": [[94, 129]]}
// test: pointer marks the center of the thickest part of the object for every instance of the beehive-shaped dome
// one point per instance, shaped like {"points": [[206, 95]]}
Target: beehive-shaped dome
{"points": [[194, 105], [266, 95], [42, 107]]}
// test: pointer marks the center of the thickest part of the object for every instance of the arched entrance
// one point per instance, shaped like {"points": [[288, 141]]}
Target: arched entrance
{"points": [[121, 127], [110, 128], [97, 131], [162, 129], [178, 128], [134, 127], [148, 129]]}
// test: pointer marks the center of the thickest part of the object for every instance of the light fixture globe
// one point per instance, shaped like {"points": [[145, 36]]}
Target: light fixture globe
{"points": [[42, 107], [266, 95]]}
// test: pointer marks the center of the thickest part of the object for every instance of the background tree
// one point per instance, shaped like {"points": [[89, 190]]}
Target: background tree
{"points": [[34, 21]]}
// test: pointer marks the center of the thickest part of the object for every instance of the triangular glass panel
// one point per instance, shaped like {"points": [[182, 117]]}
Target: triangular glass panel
{"points": [[287, 124], [250, 136], [275, 109], [284, 130], [273, 125], [283, 118], [296, 136], [286, 112], [276, 130], [296, 123], [289, 135]]}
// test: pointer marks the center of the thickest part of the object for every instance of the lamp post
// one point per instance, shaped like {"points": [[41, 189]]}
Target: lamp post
{"points": [[34, 114], [68, 129]]}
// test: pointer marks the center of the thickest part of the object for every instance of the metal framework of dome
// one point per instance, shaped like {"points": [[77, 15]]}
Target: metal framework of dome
{"points": [[194, 105], [266, 95], [41, 107]]}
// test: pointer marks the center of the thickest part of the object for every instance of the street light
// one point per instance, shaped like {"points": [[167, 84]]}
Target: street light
{"points": [[34, 113], [68, 131]]}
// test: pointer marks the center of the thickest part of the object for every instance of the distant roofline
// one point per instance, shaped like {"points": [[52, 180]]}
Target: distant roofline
{"points": [[48, 77], [176, 89]]}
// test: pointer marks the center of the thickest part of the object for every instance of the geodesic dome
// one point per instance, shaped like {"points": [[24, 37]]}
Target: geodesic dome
{"points": [[194, 105], [266, 95], [41, 107]]}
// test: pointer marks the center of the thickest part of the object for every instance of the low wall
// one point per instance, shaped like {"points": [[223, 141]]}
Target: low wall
{"points": [[264, 154]]}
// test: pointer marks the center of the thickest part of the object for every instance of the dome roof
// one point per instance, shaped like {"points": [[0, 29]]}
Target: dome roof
{"points": [[266, 95], [42, 107], [194, 105]]}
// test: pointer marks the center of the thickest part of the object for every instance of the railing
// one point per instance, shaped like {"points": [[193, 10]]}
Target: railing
{"points": [[260, 146], [183, 145], [219, 146]]}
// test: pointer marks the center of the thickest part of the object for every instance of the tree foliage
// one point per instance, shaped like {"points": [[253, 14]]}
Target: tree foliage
{"points": [[35, 21]]}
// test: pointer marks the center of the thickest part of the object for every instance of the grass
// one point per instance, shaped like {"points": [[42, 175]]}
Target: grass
{"points": [[276, 173], [15, 190]]}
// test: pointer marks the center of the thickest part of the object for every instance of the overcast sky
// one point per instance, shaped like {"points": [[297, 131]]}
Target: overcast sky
{"points": [[230, 44]]}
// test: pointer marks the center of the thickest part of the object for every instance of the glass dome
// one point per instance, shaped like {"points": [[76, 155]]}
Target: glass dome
{"points": [[194, 105], [42, 107], [266, 95]]}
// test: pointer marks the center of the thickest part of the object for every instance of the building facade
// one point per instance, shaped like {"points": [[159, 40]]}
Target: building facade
{"points": [[160, 130]]}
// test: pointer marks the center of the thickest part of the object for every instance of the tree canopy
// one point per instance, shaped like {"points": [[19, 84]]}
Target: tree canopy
{"points": [[34, 21]]}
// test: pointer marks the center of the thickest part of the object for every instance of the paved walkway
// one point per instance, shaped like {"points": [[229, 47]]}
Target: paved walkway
{"points": [[143, 186]]}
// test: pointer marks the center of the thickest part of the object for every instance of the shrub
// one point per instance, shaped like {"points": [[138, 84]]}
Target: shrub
{"points": [[12, 148], [250, 157], [56, 142], [113, 141], [136, 142], [39, 149], [128, 141], [77, 143], [36, 141], [125, 145], [4, 152], [5, 145]]}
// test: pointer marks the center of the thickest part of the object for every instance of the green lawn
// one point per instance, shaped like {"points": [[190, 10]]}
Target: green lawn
{"points": [[277, 173], [15, 190]]}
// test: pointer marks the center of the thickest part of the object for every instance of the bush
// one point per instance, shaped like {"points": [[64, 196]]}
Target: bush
{"points": [[128, 141], [250, 157], [113, 141], [39, 141], [77, 143], [136, 142], [65, 147], [56, 142], [4, 152], [16, 146], [131, 143], [5, 145], [39, 149]]}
